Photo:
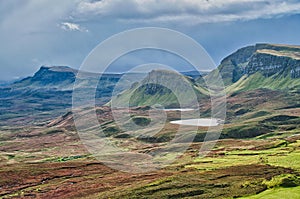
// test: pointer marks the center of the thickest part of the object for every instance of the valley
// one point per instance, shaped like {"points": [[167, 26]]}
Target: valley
{"points": [[256, 155]]}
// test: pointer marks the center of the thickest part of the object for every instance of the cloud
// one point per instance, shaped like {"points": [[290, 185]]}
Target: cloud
{"points": [[72, 27], [188, 11], [33, 16], [32, 35]]}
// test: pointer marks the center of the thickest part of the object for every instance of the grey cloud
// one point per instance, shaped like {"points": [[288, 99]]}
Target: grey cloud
{"points": [[189, 11], [33, 32]]}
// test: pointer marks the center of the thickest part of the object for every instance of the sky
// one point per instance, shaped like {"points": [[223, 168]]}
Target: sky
{"points": [[54, 32]]}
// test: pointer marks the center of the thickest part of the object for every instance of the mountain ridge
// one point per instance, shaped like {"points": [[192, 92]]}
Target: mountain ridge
{"points": [[266, 66]]}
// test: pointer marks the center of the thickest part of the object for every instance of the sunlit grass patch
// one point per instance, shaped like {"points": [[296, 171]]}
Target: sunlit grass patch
{"points": [[291, 160], [279, 154], [211, 163], [278, 193]]}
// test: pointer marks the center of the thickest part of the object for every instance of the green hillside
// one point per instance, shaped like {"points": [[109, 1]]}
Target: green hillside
{"points": [[162, 87]]}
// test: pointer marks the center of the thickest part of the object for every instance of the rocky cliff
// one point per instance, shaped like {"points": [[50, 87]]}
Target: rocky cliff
{"points": [[267, 59]]}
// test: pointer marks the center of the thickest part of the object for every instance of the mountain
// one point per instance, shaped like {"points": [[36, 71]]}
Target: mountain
{"points": [[269, 60], [61, 78], [163, 87]]}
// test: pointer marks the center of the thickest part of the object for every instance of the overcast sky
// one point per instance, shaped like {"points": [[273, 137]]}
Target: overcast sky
{"points": [[63, 32]]}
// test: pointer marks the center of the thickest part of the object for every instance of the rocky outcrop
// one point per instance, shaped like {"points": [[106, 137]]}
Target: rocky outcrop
{"points": [[232, 67], [295, 72]]}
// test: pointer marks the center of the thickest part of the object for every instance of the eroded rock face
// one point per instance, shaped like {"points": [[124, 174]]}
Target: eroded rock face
{"points": [[269, 65], [295, 72], [232, 67]]}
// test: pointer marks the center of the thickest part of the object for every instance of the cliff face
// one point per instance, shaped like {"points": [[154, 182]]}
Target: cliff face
{"points": [[268, 59], [232, 67], [271, 62]]}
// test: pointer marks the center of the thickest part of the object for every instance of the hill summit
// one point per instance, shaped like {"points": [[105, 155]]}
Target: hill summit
{"points": [[163, 87]]}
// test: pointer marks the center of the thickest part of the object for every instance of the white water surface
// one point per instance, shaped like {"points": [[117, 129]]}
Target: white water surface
{"points": [[204, 122]]}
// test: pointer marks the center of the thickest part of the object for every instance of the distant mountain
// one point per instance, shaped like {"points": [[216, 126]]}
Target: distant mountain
{"points": [[49, 77], [195, 74], [62, 78], [48, 93], [261, 66]]}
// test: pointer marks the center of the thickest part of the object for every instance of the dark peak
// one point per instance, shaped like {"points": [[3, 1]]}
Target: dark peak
{"points": [[54, 75]]}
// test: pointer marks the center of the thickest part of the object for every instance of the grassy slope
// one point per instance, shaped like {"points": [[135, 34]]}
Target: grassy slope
{"points": [[257, 80]]}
